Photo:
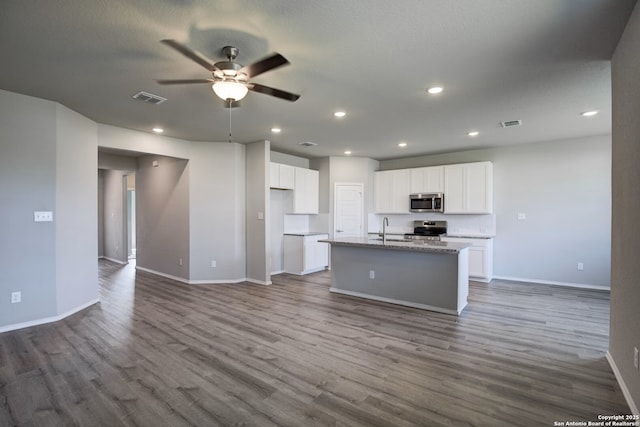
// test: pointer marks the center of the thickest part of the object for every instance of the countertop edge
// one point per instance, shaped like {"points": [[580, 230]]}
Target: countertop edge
{"points": [[451, 248]]}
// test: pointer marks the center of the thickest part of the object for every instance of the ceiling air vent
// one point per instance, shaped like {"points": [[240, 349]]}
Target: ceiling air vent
{"points": [[511, 123], [149, 97], [307, 144]]}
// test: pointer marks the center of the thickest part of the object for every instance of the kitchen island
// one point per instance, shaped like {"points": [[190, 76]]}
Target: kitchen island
{"points": [[428, 275]]}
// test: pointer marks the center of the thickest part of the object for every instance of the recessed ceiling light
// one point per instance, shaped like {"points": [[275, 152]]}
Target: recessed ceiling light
{"points": [[339, 114], [276, 130], [473, 133], [589, 113], [402, 144], [347, 152], [435, 90], [158, 130]]}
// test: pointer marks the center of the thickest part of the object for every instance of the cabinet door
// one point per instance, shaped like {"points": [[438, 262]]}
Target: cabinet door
{"points": [[281, 176], [305, 192], [454, 191], [479, 187], [400, 191], [477, 262], [274, 175], [392, 191], [468, 188], [383, 184], [427, 180], [287, 178], [434, 177]]}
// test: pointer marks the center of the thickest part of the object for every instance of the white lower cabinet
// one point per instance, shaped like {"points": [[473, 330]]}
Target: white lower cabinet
{"points": [[303, 254], [480, 256]]}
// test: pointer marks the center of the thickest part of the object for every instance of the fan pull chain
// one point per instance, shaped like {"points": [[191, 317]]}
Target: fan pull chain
{"points": [[229, 121]]}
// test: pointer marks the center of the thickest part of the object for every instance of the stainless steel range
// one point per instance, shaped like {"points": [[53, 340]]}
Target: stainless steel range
{"points": [[427, 230]]}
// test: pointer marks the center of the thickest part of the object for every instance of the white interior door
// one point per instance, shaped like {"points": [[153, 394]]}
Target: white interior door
{"points": [[348, 210]]}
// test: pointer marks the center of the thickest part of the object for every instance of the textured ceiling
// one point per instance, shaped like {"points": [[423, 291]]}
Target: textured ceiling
{"points": [[541, 61]]}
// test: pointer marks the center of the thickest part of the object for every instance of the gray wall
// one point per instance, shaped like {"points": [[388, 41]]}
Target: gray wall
{"points": [[76, 210], [258, 233], [288, 159], [625, 271], [100, 213], [563, 187], [352, 170], [114, 214], [162, 215], [322, 165], [217, 206], [28, 177], [53, 264]]}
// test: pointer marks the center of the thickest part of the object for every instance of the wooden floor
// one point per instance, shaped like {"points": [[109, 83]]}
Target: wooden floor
{"points": [[156, 352]]}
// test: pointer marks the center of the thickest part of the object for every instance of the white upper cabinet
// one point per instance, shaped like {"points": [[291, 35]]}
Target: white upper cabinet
{"points": [[468, 188], [306, 192], [281, 176], [392, 191], [427, 180]]}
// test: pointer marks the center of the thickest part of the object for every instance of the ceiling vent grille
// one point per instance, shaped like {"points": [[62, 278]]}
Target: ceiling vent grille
{"points": [[149, 97], [307, 144], [511, 123]]}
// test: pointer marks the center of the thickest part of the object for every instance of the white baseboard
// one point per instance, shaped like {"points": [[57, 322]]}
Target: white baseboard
{"points": [[200, 282], [258, 282], [117, 261], [625, 390], [51, 319], [273, 273], [398, 302], [554, 283]]}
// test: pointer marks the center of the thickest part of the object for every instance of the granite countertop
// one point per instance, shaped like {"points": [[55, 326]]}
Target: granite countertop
{"points": [[414, 245], [470, 236], [305, 233]]}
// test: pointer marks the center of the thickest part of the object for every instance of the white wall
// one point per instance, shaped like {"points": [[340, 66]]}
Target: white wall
{"points": [[625, 274], [563, 187]]}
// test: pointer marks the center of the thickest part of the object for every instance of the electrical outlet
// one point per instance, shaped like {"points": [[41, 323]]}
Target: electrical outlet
{"points": [[180, 261], [214, 264], [16, 297], [522, 215], [636, 362], [580, 266], [372, 274], [42, 216]]}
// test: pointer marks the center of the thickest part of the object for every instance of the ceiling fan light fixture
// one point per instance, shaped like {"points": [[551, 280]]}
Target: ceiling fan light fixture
{"points": [[230, 90]]}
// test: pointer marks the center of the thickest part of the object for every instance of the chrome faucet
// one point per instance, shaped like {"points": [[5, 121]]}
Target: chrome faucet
{"points": [[385, 223]]}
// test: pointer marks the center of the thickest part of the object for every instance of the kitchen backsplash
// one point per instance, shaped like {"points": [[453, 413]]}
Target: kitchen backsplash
{"points": [[480, 225]]}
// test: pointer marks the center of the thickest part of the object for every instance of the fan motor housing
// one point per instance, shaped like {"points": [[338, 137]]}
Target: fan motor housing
{"points": [[227, 69]]}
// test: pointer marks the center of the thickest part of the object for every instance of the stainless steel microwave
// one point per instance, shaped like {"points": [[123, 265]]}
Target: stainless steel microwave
{"points": [[426, 202]]}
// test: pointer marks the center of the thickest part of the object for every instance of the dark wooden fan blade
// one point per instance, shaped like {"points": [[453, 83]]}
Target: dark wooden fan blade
{"points": [[184, 81], [269, 63], [190, 53], [288, 96]]}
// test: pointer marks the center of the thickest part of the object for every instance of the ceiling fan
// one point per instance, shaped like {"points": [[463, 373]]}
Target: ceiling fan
{"points": [[230, 80]]}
